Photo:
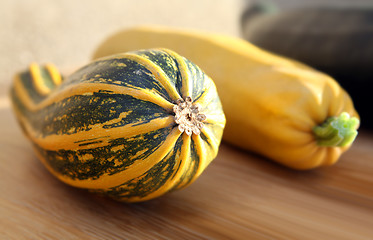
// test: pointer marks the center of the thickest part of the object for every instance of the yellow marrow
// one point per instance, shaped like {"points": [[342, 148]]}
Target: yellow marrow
{"points": [[274, 106]]}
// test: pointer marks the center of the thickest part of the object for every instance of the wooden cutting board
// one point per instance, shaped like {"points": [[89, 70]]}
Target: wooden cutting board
{"points": [[239, 196]]}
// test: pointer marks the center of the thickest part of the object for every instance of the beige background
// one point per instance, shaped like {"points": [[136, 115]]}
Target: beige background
{"points": [[66, 32]]}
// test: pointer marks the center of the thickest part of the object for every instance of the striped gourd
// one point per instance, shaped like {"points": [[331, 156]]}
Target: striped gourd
{"points": [[132, 126]]}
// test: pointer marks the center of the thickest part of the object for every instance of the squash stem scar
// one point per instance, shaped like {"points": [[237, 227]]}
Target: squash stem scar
{"points": [[338, 131], [188, 116]]}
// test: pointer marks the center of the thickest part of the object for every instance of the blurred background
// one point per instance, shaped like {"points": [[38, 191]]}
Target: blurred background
{"points": [[66, 32]]}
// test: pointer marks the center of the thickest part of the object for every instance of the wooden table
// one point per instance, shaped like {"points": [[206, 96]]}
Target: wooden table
{"points": [[239, 196]]}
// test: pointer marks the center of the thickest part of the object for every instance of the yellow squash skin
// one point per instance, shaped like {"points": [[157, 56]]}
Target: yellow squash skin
{"points": [[271, 103], [133, 126]]}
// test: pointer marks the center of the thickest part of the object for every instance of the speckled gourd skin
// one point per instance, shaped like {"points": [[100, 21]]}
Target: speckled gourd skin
{"points": [[110, 127]]}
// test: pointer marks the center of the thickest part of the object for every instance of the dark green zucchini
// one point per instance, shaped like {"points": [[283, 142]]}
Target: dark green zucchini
{"points": [[334, 40]]}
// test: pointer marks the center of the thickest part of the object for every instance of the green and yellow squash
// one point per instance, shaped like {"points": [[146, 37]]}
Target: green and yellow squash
{"points": [[132, 126], [275, 106]]}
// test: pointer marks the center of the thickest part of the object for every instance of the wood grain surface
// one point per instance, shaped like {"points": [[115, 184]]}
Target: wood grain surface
{"points": [[239, 196]]}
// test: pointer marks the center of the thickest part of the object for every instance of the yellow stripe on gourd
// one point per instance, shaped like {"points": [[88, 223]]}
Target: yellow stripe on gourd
{"points": [[186, 89], [206, 97], [186, 177], [137, 169], [183, 160], [38, 81], [213, 141], [208, 94], [84, 88], [201, 149], [216, 119], [54, 73], [157, 72], [72, 141]]}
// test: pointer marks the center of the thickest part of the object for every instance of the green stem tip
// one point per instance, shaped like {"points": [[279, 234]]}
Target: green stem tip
{"points": [[337, 131]]}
